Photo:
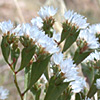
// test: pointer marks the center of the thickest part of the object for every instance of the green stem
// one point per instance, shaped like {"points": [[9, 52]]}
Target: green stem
{"points": [[18, 89], [98, 93], [15, 81], [11, 67]]}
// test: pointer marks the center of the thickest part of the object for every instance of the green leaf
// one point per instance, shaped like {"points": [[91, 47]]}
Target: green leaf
{"points": [[93, 88], [79, 57], [66, 95], [5, 47], [78, 96], [65, 32], [38, 69], [54, 91], [88, 72], [61, 97], [33, 90], [70, 40], [46, 73], [26, 55], [36, 93], [15, 55], [27, 75], [26, 79]]}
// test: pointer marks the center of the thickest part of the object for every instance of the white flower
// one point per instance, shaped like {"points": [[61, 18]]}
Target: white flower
{"points": [[47, 11], [98, 83], [37, 22], [92, 56], [17, 29], [37, 34], [95, 28], [6, 26], [3, 93], [44, 41], [69, 69], [71, 75], [89, 38], [52, 49], [25, 30], [78, 85], [56, 36], [57, 58], [76, 19]]}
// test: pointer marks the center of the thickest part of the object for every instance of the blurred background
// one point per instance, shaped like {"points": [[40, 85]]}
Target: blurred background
{"points": [[22, 11]]}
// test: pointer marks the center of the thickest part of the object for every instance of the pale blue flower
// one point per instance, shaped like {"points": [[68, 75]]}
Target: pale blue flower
{"points": [[47, 11], [56, 36], [92, 56], [78, 85], [6, 26], [57, 58], [37, 22], [17, 29], [69, 69], [95, 28], [90, 38], [76, 19], [25, 30]]}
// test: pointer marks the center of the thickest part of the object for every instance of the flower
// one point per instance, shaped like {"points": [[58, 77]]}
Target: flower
{"points": [[57, 58], [6, 26], [95, 28], [69, 70], [47, 11], [25, 30], [98, 83], [17, 29], [92, 56], [90, 38], [3, 93], [56, 36], [44, 41], [78, 85], [37, 22], [76, 19]]}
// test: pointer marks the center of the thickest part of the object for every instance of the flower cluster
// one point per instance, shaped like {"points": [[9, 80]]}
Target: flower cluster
{"points": [[70, 72], [47, 12], [37, 22], [76, 19], [34, 33], [90, 38], [45, 50], [8, 27]]}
